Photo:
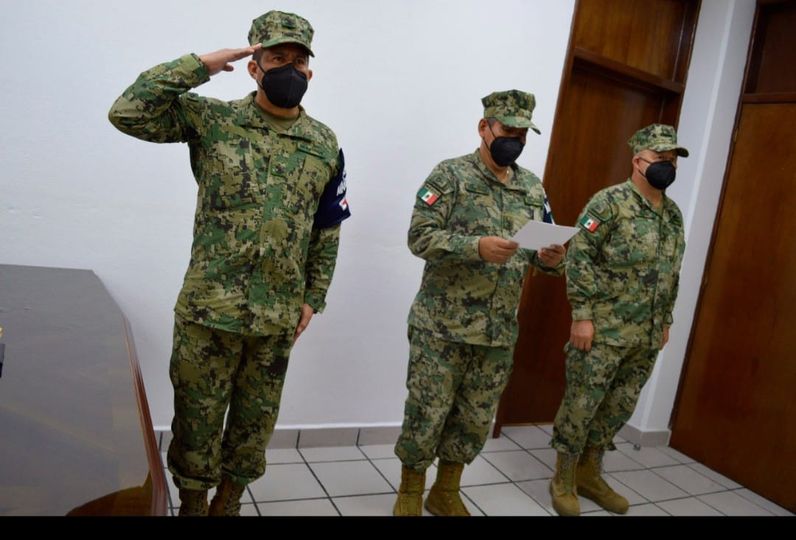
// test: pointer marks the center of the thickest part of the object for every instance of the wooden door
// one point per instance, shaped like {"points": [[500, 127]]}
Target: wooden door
{"points": [[626, 68], [736, 410]]}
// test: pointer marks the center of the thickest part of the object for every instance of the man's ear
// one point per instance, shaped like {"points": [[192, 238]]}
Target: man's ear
{"points": [[635, 162], [252, 68], [483, 127]]}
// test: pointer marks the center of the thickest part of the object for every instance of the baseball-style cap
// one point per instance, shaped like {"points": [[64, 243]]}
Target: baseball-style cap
{"points": [[656, 137], [512, 108], [276, 27]]}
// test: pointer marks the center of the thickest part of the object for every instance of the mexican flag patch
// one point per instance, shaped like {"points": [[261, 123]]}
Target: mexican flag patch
{"points": [[589, 223], [427, 196]]}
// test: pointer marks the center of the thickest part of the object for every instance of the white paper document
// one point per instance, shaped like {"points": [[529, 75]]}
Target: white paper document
{"points": [[538, 234]]}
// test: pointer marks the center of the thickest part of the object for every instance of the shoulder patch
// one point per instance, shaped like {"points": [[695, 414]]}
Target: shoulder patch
{"points": [[589, 223], [600, 209], [428, 195]]}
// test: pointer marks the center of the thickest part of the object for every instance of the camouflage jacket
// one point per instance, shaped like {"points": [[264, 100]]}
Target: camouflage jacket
{"points": [[256, 257], [463, 298], [623, 268]]}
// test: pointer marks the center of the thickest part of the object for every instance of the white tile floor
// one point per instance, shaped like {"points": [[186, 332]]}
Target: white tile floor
{"points": [[509, 478]]}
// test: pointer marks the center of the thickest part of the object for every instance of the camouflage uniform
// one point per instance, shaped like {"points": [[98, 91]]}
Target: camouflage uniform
{"points": [[622, 274], [266, 234], [463, 322]]}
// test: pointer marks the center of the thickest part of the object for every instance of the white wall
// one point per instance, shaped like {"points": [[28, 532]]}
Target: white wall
{"points": [[400, 82], [706, 123]]}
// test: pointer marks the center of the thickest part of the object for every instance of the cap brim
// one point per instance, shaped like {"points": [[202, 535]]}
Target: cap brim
{"points": [[279, 41], [682, 152], [518, 122]]}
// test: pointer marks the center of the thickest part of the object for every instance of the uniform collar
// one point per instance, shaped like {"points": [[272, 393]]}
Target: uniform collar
{"points": [[513, 184], [251, 115], [643, 202]]}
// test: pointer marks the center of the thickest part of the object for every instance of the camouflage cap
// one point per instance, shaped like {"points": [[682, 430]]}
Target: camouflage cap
{"points": [[656, 137], [277, 27], [512, 108]]}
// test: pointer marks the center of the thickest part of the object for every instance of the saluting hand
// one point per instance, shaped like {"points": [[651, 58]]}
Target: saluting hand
{"points": [[495, 249], [222, 60], [581, 335]]}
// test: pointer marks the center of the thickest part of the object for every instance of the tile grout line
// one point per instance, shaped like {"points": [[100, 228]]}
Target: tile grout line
{"points": [[741, 496], [312, 472], [683, 489], [254, 501], [466, 496], [528, 451], [510, 481], [369, 460], [168, 491], [751, 501], [715, 472], [611, 475], [711, 506], [691, 497]]}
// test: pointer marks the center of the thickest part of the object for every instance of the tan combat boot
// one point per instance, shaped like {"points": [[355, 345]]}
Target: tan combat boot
{"points": [[444, 498], [227, 499], [592, 486], [193, 502], [562, 486], [410, 494]]}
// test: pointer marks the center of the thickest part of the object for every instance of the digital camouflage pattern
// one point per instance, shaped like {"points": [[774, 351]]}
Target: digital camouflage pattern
{"points": [[656, 137], [277, 27], [463, 298], [256, 257], [512, 108], [463, 322], [623, 272], [206, 365], [623, 267], [454, 390], [603, 386]]}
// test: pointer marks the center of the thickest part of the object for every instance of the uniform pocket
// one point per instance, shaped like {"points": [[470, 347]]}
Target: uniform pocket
{"points": [[632, 242], [230, 176]]}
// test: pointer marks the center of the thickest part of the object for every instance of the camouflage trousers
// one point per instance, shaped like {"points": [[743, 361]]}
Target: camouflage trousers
{"points": [[210, 371], [602, 389], [454, 390]]}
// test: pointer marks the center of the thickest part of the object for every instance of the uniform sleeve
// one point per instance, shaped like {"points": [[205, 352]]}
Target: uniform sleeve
{"points": [[428, 236], [157, 106], [668, 317], [583, 255], [325, 237], [321, 260], [557, 270]]}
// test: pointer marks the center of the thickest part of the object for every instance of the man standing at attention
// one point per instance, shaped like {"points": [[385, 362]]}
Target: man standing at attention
{"points": [[271, 199], [623, 271]]}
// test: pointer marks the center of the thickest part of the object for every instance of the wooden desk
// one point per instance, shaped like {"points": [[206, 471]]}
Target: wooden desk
{"points": [[75, 431]]}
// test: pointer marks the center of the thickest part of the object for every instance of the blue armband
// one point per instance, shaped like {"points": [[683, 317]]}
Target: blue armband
{"points": [[548, 212], [333, 206]]}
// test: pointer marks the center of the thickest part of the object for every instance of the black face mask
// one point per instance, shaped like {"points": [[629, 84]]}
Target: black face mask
{"points": [[660, 174], [284, 86], [505, 150]]}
